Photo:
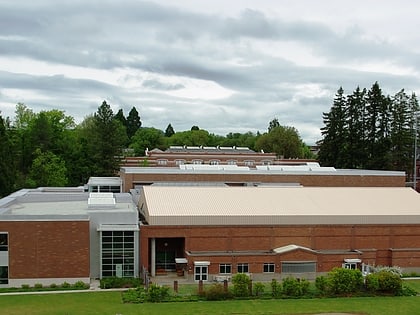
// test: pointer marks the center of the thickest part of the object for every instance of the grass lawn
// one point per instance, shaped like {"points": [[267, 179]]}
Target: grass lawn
{"points": [[110, 303]]}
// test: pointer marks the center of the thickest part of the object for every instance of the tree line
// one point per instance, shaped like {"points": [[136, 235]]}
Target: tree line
{"points": [[370, 130], [49, 149]]}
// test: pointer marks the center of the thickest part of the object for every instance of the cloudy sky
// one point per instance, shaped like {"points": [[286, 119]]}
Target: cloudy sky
{"points": [[225, 66]]}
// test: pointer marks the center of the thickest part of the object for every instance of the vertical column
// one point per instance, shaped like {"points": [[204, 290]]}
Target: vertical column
{"points": [[153, 257]]}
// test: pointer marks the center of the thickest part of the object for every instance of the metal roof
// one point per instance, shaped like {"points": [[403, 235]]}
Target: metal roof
{"points": [[260, 170], [279, 205]]}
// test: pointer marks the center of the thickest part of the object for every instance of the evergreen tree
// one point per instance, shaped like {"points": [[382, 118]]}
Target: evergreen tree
{"points": [[354, 151], [334, 133], [108, 139], [133, 123], [402, 133], [169, 131], [378, 126], [7, 169]]}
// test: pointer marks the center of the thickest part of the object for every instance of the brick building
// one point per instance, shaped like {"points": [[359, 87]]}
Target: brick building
{"points": [[66, 235], [307, 174], [52, 235], [271, 232]]}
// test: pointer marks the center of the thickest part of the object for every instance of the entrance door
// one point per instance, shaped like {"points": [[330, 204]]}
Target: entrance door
{"points": [[201, 273]]}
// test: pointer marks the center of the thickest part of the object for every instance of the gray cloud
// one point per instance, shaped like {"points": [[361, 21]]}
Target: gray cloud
{"points": [[143, 52]]}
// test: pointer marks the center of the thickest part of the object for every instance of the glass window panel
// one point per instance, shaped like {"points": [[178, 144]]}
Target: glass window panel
{"points": [[298, 267]]}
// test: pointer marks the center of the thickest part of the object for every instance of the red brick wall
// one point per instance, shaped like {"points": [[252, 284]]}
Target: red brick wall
{"points": [[375, 241], [48, 249], [129, 180]]}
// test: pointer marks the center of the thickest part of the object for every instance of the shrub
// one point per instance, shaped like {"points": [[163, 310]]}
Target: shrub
{"points": [[157, 293], [372, 282], [408, 291], [53, 286], [275, 288], [389, 282], [321, 284], [65, 285], [38, 286], [115, 282], [259, 288], [344, 281], [81, 285], [25, 286], [216, 292], [138, 295], [291, 287], [241, 285]]}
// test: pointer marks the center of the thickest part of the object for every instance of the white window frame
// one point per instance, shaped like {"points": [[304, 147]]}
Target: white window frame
{"points": [[269, 268], [223, 269], [242, 268]]}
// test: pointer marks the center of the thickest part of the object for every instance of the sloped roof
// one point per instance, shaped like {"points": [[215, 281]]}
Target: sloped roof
{"points": [[279, 205]]}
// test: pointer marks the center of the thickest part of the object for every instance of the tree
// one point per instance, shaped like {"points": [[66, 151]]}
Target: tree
{"points": [[192, 138], [7, 169], [133, 123], [378, 129], [282, 140], [273, 124], [47, 170], [107, 140], [147, 138], [334, 133], [169, 131]]}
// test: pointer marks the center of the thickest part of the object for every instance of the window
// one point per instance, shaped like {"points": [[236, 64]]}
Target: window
{"points": [[197, 161], [4, 242], [268, 268], [214, 162], [242, 268], [4, 275], [249, 163], [162, 162], [298, 267], [179, 162], [225, 268], [231, 162], [117, 253], [200, 273]]}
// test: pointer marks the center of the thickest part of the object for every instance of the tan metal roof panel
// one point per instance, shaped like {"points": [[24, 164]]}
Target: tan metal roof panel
{"points": [[280, 205]]}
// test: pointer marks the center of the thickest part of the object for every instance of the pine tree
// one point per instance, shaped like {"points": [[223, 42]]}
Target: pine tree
{"points": [[354, 151], [169, 131], [133, 123], [334, 133]]}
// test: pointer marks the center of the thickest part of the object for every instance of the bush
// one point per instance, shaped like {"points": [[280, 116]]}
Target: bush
{"points": [[115, 282], [295, 287], [53, 286], [342, 281], [157, 293], [66, 285], [138, 295], [241, 285], [372, 282], [291, 287], [80, 285], [275, 288], [25, 286], [389, 282], [259, 288], [216, 292], [38, 286], [321, 284]]}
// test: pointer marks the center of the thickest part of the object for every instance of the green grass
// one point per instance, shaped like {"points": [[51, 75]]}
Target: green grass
{"points": [[110, 303]]}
